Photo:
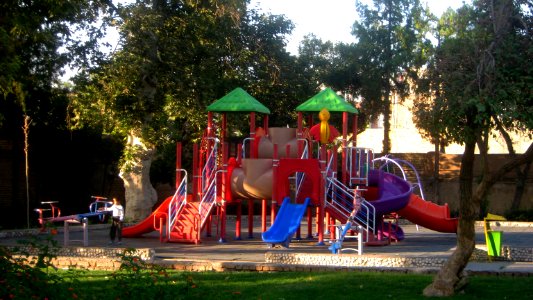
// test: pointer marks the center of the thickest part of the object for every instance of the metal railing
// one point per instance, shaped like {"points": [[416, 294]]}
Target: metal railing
{"points": [[208, 200], [344, 200], [210, 167], [209, 184], [243, 146], [177, 203], [398, 163]]}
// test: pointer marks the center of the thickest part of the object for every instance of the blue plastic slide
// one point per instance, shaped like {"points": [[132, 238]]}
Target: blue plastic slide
{"points": [[286, 223]]}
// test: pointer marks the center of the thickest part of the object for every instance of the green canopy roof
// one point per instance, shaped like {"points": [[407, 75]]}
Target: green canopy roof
{"points": [[327, 99], [238, 100]]}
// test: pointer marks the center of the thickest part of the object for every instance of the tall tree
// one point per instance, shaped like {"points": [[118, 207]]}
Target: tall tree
{"points": [[391, 42], [483, 80], [37, 40], [176, 58]]}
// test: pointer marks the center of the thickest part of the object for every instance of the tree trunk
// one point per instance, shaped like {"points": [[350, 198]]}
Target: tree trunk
{"points": [[26, 130], [520, 186], [135, 172], [521, 174], [451, 276]]}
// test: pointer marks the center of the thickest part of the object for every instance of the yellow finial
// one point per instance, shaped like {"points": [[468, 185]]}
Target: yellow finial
{"points": [[323, 115]]}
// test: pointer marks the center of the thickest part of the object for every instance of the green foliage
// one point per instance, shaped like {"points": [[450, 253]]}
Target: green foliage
{"points": [[32, 36], [392, 46], [477, 77], [28, 275], [34, 277], [175, 60]]}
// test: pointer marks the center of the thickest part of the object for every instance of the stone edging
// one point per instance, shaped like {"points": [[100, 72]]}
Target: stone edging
{"points": [[146, 254], [353, 260]]}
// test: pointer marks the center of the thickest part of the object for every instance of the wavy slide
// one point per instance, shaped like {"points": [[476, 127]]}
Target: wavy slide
{"points": [[147, 225], [286, 223], [428, 214]]}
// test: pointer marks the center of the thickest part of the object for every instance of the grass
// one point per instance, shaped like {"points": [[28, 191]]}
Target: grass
{"points": [[286, 285], [34, 277]]}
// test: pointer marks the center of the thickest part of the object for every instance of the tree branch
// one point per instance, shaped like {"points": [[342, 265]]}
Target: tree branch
{"points": [[489, 180]]}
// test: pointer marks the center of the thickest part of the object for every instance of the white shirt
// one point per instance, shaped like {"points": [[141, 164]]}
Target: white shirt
{"points": [[118, 211]]}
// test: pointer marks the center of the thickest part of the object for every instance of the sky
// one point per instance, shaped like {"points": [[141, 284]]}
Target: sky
{"points": [[329, 20]]}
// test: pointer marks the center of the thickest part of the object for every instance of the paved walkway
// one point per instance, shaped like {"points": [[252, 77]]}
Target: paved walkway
{"points": [[418, 242]]}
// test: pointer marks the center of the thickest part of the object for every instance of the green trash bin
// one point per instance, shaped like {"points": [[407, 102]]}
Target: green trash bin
{"points": [[494, 242]]}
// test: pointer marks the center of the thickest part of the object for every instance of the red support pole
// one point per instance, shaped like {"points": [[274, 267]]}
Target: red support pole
{"points": [[223, 178], [209, 124], [252, 132], [161, 230], [238, 221], [323, 160], [224, 132], [331, 225], [354, 130], [252, 124], [275, 165], [317, 215], [273, 205], [265, 124], [178, 164], [239, 153], [195, 176], [263, 215], [250, 218], [309, 223], [344, 146], [300, 125], [208, 225], [334, 164], [222, 223], [327, 217], [299, 134]]}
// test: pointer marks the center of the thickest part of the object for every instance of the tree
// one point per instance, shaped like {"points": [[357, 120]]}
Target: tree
{"points": [[37, 39], [175, 59], [483, 79], [391, 46]]}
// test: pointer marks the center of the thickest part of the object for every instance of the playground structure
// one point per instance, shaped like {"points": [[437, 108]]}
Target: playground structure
{"points": [[298, 170]]}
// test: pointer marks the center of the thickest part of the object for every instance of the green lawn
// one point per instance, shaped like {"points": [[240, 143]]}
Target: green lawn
{"points": [[286, 285], [35, 278]]}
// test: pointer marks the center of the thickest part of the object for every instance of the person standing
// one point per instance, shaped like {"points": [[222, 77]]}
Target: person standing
{"points": [[117, 218]]}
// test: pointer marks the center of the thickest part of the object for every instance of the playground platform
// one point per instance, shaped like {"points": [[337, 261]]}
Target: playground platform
{"points": [[422, 251]]}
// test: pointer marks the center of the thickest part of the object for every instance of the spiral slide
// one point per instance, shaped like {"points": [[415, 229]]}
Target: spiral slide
{"points": [[394, 194], [428, 214], [148, 224]]}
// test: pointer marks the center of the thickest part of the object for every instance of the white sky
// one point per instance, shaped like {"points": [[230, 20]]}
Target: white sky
{"points": [[327, 19]]}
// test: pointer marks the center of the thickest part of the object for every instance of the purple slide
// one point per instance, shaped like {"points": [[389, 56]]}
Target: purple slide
{"points": [[393, 194]]}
